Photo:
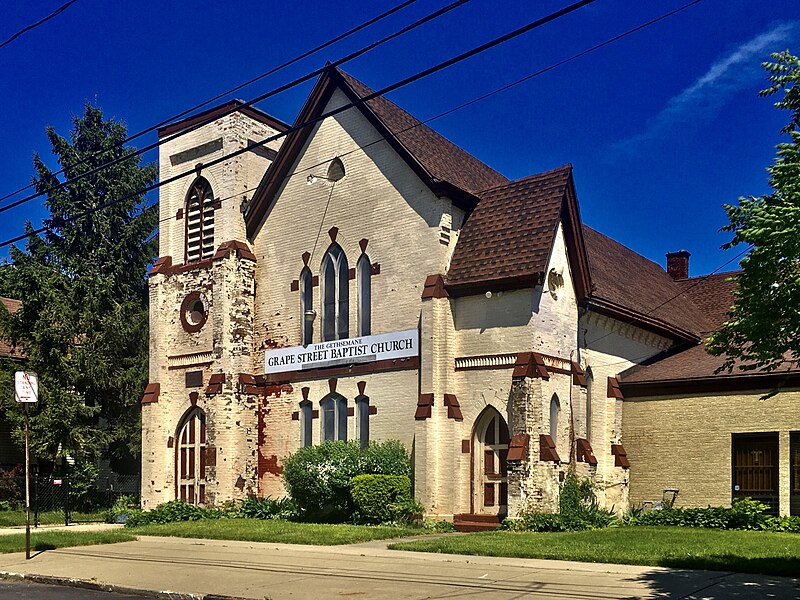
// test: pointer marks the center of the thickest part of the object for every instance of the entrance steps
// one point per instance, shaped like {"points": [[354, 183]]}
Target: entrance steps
{"points": [[469, 523]]}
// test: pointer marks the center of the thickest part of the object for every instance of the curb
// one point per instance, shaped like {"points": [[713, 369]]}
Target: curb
{"points": [[110, 587]]}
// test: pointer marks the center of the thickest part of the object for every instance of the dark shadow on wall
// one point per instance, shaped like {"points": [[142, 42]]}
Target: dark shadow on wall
{"points": [[718, 585]]}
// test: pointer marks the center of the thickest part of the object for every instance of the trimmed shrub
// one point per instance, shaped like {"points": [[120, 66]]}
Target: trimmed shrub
{"points": [[264, 508], [172, 512], [381, 498], [318, 477]]}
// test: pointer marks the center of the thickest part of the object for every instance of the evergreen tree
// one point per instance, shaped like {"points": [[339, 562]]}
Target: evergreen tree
{"points": [[763, 328], [84, 317]]}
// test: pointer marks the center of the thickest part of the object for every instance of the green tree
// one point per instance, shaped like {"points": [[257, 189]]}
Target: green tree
{"points": [[763, 327], [84, 320]]}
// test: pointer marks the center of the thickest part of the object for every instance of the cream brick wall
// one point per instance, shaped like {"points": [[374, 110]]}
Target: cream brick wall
{"points": [[233, 181], [608, 347], [685, 442]]}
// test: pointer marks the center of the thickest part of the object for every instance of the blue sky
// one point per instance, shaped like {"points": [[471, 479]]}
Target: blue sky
{"points": [[662, 127]]}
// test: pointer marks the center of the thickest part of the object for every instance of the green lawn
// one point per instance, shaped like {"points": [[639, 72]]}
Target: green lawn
{"points": [[14, 518], [286, 532], [742, 551], [50, 540]]}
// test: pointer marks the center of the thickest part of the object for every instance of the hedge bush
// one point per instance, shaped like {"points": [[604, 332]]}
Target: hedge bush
{"points": [[318, 477], [171, 512], [383, 498], [744, 513]]}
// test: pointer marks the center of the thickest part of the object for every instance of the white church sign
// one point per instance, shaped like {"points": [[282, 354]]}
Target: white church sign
{"points": [[370, 348]]}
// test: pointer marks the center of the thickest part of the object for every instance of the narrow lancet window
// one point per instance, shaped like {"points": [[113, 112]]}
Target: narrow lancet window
{"points": [[306, 306], [335, 279], [199, 221], [364, 274]]}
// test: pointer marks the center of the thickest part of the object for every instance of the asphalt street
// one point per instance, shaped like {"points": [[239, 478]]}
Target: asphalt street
{"points": [[38, 591]]}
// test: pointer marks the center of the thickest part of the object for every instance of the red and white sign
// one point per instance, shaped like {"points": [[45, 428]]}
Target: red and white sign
{"points": [[26, 387]]}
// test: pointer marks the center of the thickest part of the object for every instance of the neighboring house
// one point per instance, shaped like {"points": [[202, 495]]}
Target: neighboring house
{"points": [[367, 279], [10, 455]]}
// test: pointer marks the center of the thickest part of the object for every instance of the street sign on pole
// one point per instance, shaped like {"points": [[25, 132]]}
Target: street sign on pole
{"points": [[26, 390], [26, 387]]}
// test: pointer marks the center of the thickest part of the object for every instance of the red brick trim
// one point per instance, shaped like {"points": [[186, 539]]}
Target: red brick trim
{"points": [[240, 248], [584, 452], [547, 449], [530, 364], [332, 384], [424, 405], [315, 281], [179, 214], [162, 265], [304, 391], [372, 410], [518, 448], [362, 243], [215, 384], [578, 375], [151, 393], [351, 273], [315, 414], [295, 285], [305, 256], [333, 232], [351, 411], [296, 416], [620, 456], [170, 442], [613, 390], [394, 364], [453, 407], [361, 385], [466, 446], [375, 269], [434, 287]]}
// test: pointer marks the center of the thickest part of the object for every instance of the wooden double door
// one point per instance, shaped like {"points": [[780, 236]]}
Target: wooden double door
{"points": [[489, 460]]}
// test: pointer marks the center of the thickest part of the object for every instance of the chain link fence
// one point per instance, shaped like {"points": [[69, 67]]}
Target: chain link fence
{"points": [[56, 501]]}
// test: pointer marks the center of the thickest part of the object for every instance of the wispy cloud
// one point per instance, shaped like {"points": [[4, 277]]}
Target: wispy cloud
{"points": [[735, 71]]}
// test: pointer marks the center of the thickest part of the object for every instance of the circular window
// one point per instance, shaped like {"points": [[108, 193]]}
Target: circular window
{"points": [[194, 312]]}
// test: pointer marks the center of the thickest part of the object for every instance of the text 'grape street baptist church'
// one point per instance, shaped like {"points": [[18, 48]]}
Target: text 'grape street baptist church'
{"points": [[362, 278]]}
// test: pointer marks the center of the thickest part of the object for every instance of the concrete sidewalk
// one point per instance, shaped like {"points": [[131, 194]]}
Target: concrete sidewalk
{"points": [[280, 571], [73, 527]]}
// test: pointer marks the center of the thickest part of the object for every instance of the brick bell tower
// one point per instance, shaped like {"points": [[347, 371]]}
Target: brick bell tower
{"points": [[198, 429]]}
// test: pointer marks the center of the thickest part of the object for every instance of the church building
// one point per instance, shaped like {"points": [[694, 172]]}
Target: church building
{"points": [[363, 278]]}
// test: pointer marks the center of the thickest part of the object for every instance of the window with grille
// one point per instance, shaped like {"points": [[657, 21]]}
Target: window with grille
{"points": [[199, 221], [335, 280]]}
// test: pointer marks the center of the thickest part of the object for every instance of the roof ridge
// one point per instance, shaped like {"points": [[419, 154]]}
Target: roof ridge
{"points": [[535, 176]]}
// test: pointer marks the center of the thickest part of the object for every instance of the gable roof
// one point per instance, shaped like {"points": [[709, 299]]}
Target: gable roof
{"points": [[506, 241], [444, 167], [628, 286], [222, 110], [713, 294]]}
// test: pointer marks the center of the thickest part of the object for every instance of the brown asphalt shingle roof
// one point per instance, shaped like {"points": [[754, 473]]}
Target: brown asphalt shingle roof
{"points": [[713, 294], [624, 278], [510, 232], [438, 156]]}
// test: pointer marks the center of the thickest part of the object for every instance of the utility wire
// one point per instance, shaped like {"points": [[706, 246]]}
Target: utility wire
{"points": [[273, 92], [52, 15], [443, 65], [238, 87]]}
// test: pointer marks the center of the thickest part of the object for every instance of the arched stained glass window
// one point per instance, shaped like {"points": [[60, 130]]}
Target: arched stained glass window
{"points": [[334, 417], [335, 280], [364, 275]]}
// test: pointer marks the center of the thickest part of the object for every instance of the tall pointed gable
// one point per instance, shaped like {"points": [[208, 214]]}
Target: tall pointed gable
{"points": [[444, 167], [507, 240]]}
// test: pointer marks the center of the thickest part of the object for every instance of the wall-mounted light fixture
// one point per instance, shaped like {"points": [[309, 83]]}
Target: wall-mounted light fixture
{"points": [[334, 174]]}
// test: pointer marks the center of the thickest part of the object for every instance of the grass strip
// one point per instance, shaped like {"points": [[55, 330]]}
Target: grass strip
{"points": [[16, 518], [681, 547], [50, 540], [275, 530]]}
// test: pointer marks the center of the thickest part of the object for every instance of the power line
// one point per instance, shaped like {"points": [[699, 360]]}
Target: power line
{"points": [[434, 15], [505, 87], [280, 67], [52, 15]]}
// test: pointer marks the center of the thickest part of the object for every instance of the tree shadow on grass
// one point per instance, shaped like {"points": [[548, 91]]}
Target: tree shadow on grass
{"points": [[725, 577]]}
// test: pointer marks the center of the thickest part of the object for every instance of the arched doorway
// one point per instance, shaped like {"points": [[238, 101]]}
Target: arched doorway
{"points": [[190, 459], [489, 460]]}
